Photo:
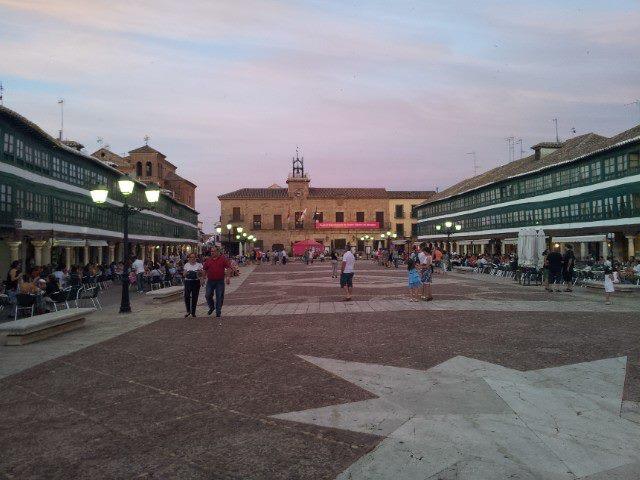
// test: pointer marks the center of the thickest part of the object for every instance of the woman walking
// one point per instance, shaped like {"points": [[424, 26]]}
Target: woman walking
{"points": [[334, 264], [192, 273]]}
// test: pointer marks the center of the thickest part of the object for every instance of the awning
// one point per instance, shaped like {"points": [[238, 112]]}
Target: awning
{"points": [[399, 242], [97, 243], [580, 238], [69, 242], [509, 241]]}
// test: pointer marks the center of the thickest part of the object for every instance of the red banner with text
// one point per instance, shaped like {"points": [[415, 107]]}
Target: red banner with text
{"points": [[348, 225]]}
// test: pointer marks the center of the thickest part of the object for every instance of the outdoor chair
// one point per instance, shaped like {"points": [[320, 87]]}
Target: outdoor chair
{"points": [[156, 282], [58, 298], [73, 294], [25, 302], [91, 294]]}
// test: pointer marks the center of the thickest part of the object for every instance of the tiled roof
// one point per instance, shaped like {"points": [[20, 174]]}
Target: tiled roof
{"points": [[347, 192], [175, 177], [145, 149], [255, 193], [314, 192], [569, 151], [424, 194]]}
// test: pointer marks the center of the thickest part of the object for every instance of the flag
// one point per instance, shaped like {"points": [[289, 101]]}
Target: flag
{"points": [[304, 212], [289, 215]]}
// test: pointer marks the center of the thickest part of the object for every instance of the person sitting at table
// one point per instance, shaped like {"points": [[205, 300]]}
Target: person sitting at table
{"points": [[51, 286], [28, 286]]}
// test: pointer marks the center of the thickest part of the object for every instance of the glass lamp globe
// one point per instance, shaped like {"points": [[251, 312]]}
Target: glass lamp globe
{"points": [[362, 239], [395, 235], [388, 234], [229, 226], [237, 237], [244, 234], [239, 229], [382, 235], [125, 184], [438, 227], [458, 227], [448, 224], [218, 230], [99, 194], [152, 192]]}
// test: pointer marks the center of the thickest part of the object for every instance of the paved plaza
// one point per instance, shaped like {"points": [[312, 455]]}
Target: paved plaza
{"points": [[491, 380]]}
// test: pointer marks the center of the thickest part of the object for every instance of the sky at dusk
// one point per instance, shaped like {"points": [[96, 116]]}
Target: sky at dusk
{"points": [[375, 93]]}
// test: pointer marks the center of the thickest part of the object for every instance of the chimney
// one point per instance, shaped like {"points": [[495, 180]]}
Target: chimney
{"points": [[545, 148]]}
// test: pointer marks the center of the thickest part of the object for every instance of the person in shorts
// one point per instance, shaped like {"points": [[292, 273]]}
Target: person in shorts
{"points": [[346, 272]]}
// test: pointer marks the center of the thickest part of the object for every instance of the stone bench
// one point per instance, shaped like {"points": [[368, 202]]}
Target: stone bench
{"points": [[619, 287], [165, 295], [460, 268], [39, 327]]}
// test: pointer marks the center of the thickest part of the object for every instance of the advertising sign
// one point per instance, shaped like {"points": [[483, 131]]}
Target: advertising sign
{"points": [[347, 225]]}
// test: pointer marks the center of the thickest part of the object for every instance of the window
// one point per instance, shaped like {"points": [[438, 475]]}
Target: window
{"points": [[400, 229], [299, 221], [634, 161], [149, 170], [319, 217], [622, 163], [359, 216], [5, 198], [339, 216], [28, 155], [65, 169], [380, 219], [413, 211], [20, 149], [596, 171], [257, 222], [277, 222], [609, 166], [138, 169], [57, 171], [399, 211], [8, 143], [235, 216]]}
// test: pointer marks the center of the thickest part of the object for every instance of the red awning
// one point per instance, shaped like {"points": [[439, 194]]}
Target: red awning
{"points": [[300, 247]]}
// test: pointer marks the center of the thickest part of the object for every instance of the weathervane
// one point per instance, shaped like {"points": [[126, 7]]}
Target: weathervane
{"points": [[146, 139]]}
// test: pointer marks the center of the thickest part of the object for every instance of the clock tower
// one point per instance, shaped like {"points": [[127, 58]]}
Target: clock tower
{"points": [[298, 182]]}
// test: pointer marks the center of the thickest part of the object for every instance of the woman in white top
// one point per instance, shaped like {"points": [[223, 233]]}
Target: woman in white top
{"points": [[192, 274]]}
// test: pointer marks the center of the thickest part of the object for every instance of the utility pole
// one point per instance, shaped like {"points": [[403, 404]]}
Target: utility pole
{"points": [[511, 147], [636, 103], [475, 162], [555, 121], [1, 94], [61, 103], [519, 141]]}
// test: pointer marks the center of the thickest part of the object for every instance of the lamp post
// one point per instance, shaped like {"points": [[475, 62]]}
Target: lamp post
{"points": [[449, 228], [99, 195], [229, 229]]}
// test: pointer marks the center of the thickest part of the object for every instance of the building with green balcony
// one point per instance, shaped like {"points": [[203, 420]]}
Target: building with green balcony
{"points": [[584, 191], [47, 215]]}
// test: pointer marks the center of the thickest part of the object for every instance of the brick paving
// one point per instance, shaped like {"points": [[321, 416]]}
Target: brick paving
{"points": [[178, 398]]}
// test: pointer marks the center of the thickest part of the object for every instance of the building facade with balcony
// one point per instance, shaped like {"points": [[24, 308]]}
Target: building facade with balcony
{"points": [[584, 191], [280, 216], [47, 215]]}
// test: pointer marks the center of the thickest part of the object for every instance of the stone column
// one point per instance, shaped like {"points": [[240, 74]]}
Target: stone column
{"points": [[143, 252], [465, 248], [99, 255], [152, 254], [14, 248], [46, 253], [502, 248], [85, 257], [68, 251], [605, 249], [112, 252], [583, 250], [631, 247], [37, 249]]}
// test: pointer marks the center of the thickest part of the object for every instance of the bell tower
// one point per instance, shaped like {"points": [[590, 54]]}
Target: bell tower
{"points": [[298, 182]]}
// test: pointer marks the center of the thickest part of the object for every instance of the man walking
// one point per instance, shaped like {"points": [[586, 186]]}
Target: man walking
{"points": [[346, 272], [138, 268], [554, 264], [218, 270], [568, 261]]}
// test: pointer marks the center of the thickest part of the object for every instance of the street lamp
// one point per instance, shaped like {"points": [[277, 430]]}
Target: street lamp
{"points": [[99, 195], [449, 228]]}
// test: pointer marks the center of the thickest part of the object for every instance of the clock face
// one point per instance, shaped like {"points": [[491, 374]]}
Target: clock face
{"points": [[298, 193]]}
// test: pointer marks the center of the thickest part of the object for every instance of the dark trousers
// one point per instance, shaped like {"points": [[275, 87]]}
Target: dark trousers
{"points": [[191, 291], [216, 286]]}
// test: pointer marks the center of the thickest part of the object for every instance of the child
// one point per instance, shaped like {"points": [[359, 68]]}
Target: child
{"points": [[414, 280], [608, 285]]}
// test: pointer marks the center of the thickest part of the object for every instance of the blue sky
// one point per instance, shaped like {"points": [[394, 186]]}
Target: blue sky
{"points": [[376, 93]]}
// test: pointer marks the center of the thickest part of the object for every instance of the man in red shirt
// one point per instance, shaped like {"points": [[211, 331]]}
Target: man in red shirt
{"points": [[218, 270]]}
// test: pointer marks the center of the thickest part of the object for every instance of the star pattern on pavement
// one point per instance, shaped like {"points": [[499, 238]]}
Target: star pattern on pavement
{"points": [[470, 419]]}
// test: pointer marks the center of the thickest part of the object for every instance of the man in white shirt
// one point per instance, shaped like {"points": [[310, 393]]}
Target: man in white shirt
{"points": [[138, 267], [426, 260], [346, 272]]}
